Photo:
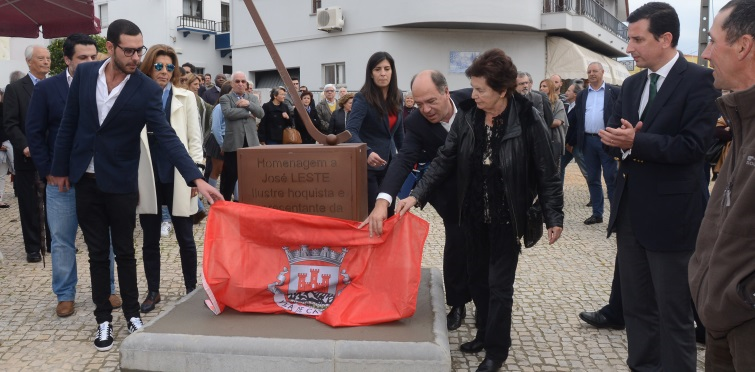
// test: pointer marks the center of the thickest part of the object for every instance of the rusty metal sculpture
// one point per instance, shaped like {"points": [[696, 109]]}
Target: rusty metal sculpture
{"points": [[320, 137]]}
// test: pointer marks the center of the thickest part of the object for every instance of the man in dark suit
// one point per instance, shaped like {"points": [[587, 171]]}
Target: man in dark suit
{"points": [[592, 109], [42, 124], [661, 127], [426, 131], [16, 103], [212, 94], [97, 149]]}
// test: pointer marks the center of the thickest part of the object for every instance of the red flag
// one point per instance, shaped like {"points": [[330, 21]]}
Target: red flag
{"points": [[264, 260]]}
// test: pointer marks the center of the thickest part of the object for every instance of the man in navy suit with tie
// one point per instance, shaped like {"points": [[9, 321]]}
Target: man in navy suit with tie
{"points": [[97, 149], [426, 131], [660, 129]]}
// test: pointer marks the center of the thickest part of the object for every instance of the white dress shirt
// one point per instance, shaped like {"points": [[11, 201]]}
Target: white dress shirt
{"points": [[105, 100], [662, 73]]}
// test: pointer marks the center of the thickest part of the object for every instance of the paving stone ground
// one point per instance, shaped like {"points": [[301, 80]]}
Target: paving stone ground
{"points": [[554, 283]]}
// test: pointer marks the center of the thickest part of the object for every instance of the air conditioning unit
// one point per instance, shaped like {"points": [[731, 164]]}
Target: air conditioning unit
{"points": [[330, 19]]}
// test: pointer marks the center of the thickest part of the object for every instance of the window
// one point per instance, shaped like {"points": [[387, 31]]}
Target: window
{"points": [[104, 21], [225, 18], [334, 73], [316, 4], [193, 8], [200, 71]]}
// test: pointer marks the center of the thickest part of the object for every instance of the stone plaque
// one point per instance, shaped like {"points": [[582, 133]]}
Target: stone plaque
{"points": [[311, 179]]}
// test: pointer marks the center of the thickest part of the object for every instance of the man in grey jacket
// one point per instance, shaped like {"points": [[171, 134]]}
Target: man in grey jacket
{"points": [[239, 110]]}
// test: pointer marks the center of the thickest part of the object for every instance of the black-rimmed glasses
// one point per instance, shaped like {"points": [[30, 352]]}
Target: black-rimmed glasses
{"points": [[128, 52], [170, 67]]}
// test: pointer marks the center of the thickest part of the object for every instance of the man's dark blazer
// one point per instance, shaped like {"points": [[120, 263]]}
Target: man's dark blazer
{"points": [[43, 120], [16, 105], [612, 94], [366, 125], [667, 198], [115, 145], [421, 144]]}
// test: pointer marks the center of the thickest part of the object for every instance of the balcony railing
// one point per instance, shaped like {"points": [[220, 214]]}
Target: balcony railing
{"points": [[225, 26], [196, 23], [591, 9]]}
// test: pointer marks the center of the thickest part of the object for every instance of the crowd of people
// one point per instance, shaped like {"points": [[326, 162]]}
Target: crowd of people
{"points": [[494, 156]]}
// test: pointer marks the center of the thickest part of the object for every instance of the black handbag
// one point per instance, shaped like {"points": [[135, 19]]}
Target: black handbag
{"points": [[533, 229]]}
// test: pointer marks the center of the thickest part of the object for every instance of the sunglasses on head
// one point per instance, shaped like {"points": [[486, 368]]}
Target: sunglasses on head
{"points": [[170, 67]]}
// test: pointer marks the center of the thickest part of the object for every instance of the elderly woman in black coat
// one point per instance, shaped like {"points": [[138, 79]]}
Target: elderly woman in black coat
{"points": [[503, 160]]}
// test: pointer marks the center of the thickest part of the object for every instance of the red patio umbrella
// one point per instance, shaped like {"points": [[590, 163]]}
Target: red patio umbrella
{"points": [[58, 18]]}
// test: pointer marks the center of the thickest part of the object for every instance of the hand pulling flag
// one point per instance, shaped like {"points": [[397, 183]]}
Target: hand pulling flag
{"points": [[264, 260]]}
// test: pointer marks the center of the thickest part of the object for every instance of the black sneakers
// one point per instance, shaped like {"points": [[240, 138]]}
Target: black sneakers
{"points": [[104, 339], [134, 324]]}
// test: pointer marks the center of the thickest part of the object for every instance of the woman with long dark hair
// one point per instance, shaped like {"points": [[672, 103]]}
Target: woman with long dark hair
{"points": [[502, 157], [376, 120]]}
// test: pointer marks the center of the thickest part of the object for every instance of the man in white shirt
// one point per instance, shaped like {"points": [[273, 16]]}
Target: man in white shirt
{"points": [[660, 128], [97, 149]]}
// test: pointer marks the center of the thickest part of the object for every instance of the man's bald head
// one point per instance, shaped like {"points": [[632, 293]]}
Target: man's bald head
{"points": [[430, 90]]}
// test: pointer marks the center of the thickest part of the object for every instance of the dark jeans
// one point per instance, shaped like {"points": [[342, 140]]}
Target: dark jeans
{"points": [[229, 175], [29, 211], [596, 159], [187, 248], [491, 263], [101, 216]]}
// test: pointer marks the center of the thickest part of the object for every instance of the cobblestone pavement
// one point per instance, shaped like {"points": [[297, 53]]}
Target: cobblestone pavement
{"points": [[554, 283]]}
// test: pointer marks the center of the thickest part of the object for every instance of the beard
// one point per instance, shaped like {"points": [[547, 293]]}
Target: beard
{"points": [[123, 68]]}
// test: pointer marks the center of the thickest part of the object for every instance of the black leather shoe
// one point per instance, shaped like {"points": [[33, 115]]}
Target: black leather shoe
{"points": [[153, 298], [593, 220], [589, 204], [490, 365], [455, 317], [33, 257], [597, 320], [474, 346]]}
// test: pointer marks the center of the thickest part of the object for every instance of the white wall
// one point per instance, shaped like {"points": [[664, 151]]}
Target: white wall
{"points": [[413, 50]]}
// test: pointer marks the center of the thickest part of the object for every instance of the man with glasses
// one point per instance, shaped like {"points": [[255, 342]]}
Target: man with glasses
{"points": [[328, 104], [97, 150], [239, 110]]}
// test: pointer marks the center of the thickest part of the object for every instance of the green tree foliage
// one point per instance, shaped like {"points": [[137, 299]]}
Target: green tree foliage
{"points": [[57, 64]]}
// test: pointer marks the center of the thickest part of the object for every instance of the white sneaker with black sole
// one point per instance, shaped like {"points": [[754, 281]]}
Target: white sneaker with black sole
{"points": [[134, 324], [104, 339]]}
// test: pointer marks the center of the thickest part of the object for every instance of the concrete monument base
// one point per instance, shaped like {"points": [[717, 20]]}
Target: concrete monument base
{"points": [[190, 338]]}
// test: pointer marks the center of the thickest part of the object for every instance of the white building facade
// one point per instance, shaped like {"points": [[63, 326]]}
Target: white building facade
{"points": [[196, 29], [423, 34]]}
